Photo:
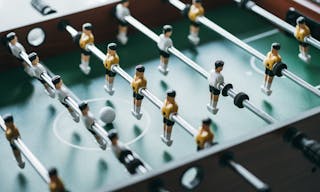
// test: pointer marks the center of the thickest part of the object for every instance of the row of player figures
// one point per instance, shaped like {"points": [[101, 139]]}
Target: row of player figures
{"points": [[171, 94]]}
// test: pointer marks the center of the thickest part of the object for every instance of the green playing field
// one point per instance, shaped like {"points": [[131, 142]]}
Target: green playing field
{"points": [[50, 133]]}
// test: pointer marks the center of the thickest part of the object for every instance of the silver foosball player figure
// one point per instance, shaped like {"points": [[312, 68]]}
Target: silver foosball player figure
{"points": [[63, 94], [215, 80], [39, 70], [89, 121], [16, 48], [164, 43], [121, 11]]}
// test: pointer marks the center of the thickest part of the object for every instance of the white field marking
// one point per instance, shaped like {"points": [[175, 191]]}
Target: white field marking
{"points": [[55, 131], [260, 36]]}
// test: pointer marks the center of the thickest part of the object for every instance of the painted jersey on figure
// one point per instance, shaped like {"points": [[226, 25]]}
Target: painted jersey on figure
{"points": [[138, 83], [169, 108], [111, 60], [117, 149], [38, 70], [62, 94], [16, 49], [195, 12], [164, 43], [121, 12], [85, 39], [215, 79], [56, 186], [204, 137], [271, 60], [302, 32], [12, 134], [88, 120]]}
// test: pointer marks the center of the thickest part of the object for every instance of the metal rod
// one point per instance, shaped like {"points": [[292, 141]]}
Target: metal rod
{"points": [[25, 57], [135, 23], [71, 30], [191, 130], [249, 177], [246, 103], [205, 21], [73, 105], [279, 22], [300, 81], [101, 132], [145, 92], [188, 61], [36, 164], [145, 30], [47, 79]]}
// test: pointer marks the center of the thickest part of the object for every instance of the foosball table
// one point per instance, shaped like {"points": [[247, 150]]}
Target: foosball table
{"points": [[98, 96]]}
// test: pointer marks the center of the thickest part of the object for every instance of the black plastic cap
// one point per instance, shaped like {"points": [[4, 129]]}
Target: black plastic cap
{"points": [[239, 98], [62, 25], [226, 88], [225, 157], [123, 155], [278, 67]]}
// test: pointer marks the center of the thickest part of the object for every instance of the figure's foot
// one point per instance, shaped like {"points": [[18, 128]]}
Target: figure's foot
{"points": [[123, 39], [305, 58], [212, 110], [166, 141], [75, 116], [21, 164], [266, 90], [194, 39], [163, 70], [110, 91], [102, 143], [85, 69], [136, 115]]}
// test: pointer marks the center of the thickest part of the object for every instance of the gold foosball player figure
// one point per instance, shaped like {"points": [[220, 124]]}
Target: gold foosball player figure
{"points": [[205, 136], [195, 11], [169, 108], [63, 94], [55, 185], [302, 31], [85, 39], [122, 11], [89, 121], [271, 59], [112, 58], [12, 133], [139, 82], [215, 80], [164, 43], [39, 70], [16, 48]]}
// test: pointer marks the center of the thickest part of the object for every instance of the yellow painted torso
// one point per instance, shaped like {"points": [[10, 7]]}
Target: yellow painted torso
{"points": [[56, 186], [195, 12], [12, 134], [85, 39], [271, 60], [204, 137], [169, 108], [111, 60], [138, 83], [301, 32]]}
